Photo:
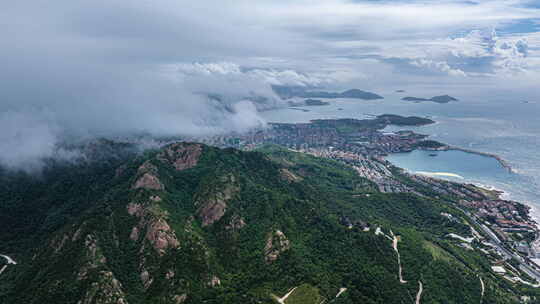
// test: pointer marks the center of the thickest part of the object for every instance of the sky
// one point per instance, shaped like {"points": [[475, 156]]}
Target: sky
{"points": [[81, 69]]}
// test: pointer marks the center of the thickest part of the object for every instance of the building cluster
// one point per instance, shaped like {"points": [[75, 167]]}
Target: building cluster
{"points": [[356, 137], [506, 214]]}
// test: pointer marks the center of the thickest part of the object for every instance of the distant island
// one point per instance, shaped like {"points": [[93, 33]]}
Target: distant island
{"points": [[400, 91], [308, 102], [437, 99], [287, 92], [316, 102]]}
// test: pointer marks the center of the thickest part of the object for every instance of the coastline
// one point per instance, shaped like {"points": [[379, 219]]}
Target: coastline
{"points": [[501, 161], [533, 210]]}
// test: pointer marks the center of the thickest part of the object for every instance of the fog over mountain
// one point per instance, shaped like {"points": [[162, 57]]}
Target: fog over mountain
{"points": [[102, 68]]}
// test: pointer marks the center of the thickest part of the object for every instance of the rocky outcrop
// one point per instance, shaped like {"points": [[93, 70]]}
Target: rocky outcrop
{"points": [[161, 236], [94, 257], [106, 290], [236, 223], [214, 281], [289, 176], [276, 243], [179, 299], [148, 177], [148, 181], [181, 155], [146, 279], [134, 235], [59, 245], [213, 207], [153, 224], [135, 209]]}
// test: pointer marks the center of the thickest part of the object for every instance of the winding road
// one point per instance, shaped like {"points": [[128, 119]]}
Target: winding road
{"points": [[395, 246], [9, 260], [483, 290], [282, 300], [419, 294]]}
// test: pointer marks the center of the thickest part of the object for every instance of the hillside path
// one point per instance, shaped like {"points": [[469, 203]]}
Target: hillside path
{"points": [[419, 294]]}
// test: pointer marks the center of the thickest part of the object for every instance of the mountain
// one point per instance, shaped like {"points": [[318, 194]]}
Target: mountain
{"points": [[287, 92], [437, 99], [190, 223]]}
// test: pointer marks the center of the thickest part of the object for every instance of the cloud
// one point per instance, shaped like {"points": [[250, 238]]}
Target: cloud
{"points": [[499, 54], [439, 66], [107, 68], [267, 76]]}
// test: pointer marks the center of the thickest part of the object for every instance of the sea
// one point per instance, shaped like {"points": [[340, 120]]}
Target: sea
{"points": [[507, 127]]}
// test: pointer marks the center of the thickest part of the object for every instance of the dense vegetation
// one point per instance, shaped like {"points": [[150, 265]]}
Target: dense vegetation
{"points": [[236, 227]]}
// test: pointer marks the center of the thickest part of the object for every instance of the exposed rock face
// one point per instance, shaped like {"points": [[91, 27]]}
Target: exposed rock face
{"points": [[276, 243], [134, 235], [160, 235], [135, 209], [60, 244], [213, 210], [148, 181], [155, 198], [289, 176], [146, 279], [158, 232], [94, 257], [236, 223], [213, 207], [170, 274], [76, 236], [147, 166], [106, 290], [148, 178], [181, 155], [215, 281], [179, 299]]}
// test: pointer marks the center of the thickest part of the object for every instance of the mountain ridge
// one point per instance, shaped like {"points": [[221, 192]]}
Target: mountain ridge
{"points": [[189, 223]]}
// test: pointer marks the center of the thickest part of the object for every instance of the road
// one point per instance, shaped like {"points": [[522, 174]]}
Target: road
{"points": [[483, 290], [282, 300], [395, 246], [419, 294], [9, 260]]}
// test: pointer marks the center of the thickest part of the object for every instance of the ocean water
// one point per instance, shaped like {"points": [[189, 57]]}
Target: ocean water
{"points": [[503, 126]]}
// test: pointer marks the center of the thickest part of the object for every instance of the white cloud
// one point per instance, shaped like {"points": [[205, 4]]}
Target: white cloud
{"points": [[439, 66], [268, 76]]}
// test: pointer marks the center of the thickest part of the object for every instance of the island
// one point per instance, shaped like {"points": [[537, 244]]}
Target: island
{"points": [[315, 102], [437, 99], [287, 92]]}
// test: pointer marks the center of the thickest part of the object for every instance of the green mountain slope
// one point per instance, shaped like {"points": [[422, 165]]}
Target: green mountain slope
{"points": [[196, 224]]}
